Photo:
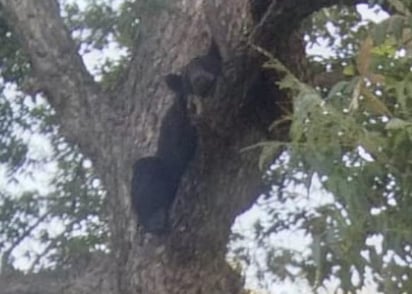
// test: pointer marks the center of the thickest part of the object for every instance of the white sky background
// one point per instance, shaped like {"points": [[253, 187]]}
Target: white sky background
{"points": [[40, 147]]}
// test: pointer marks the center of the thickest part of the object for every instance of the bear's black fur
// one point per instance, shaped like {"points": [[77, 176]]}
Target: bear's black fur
{"points": [[199, 76], [154, 186]]}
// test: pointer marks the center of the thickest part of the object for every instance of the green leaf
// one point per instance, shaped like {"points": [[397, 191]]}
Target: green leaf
{"points": [[400, 93], [349, 70], [396, 25], [379, 33], [337, 89], [269, 152], [397, 123]]}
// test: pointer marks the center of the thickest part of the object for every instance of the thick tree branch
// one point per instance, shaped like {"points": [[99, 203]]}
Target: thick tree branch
{"points": [[285, 16], [57, 69]]}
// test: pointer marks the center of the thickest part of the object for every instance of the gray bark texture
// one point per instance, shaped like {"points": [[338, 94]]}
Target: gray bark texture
{"points": [[118, 126]]}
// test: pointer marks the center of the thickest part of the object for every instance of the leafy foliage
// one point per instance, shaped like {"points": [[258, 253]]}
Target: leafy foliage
{"points": [[45, 180], [99, 23], [70, 197], [13, 63], [354, 142]]}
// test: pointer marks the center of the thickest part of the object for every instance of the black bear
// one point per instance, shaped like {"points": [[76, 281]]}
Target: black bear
{"points": [[178, 136], [199, 76], [156, 178]]}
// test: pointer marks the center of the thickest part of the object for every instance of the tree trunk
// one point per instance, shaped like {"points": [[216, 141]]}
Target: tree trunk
{"points": [[117, 127]]}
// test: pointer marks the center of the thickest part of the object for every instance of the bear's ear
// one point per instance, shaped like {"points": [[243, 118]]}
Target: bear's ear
{"points": [[175, 83]]}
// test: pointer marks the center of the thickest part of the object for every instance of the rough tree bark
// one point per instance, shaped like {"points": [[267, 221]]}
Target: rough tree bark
{"points": [[116, 127]]}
